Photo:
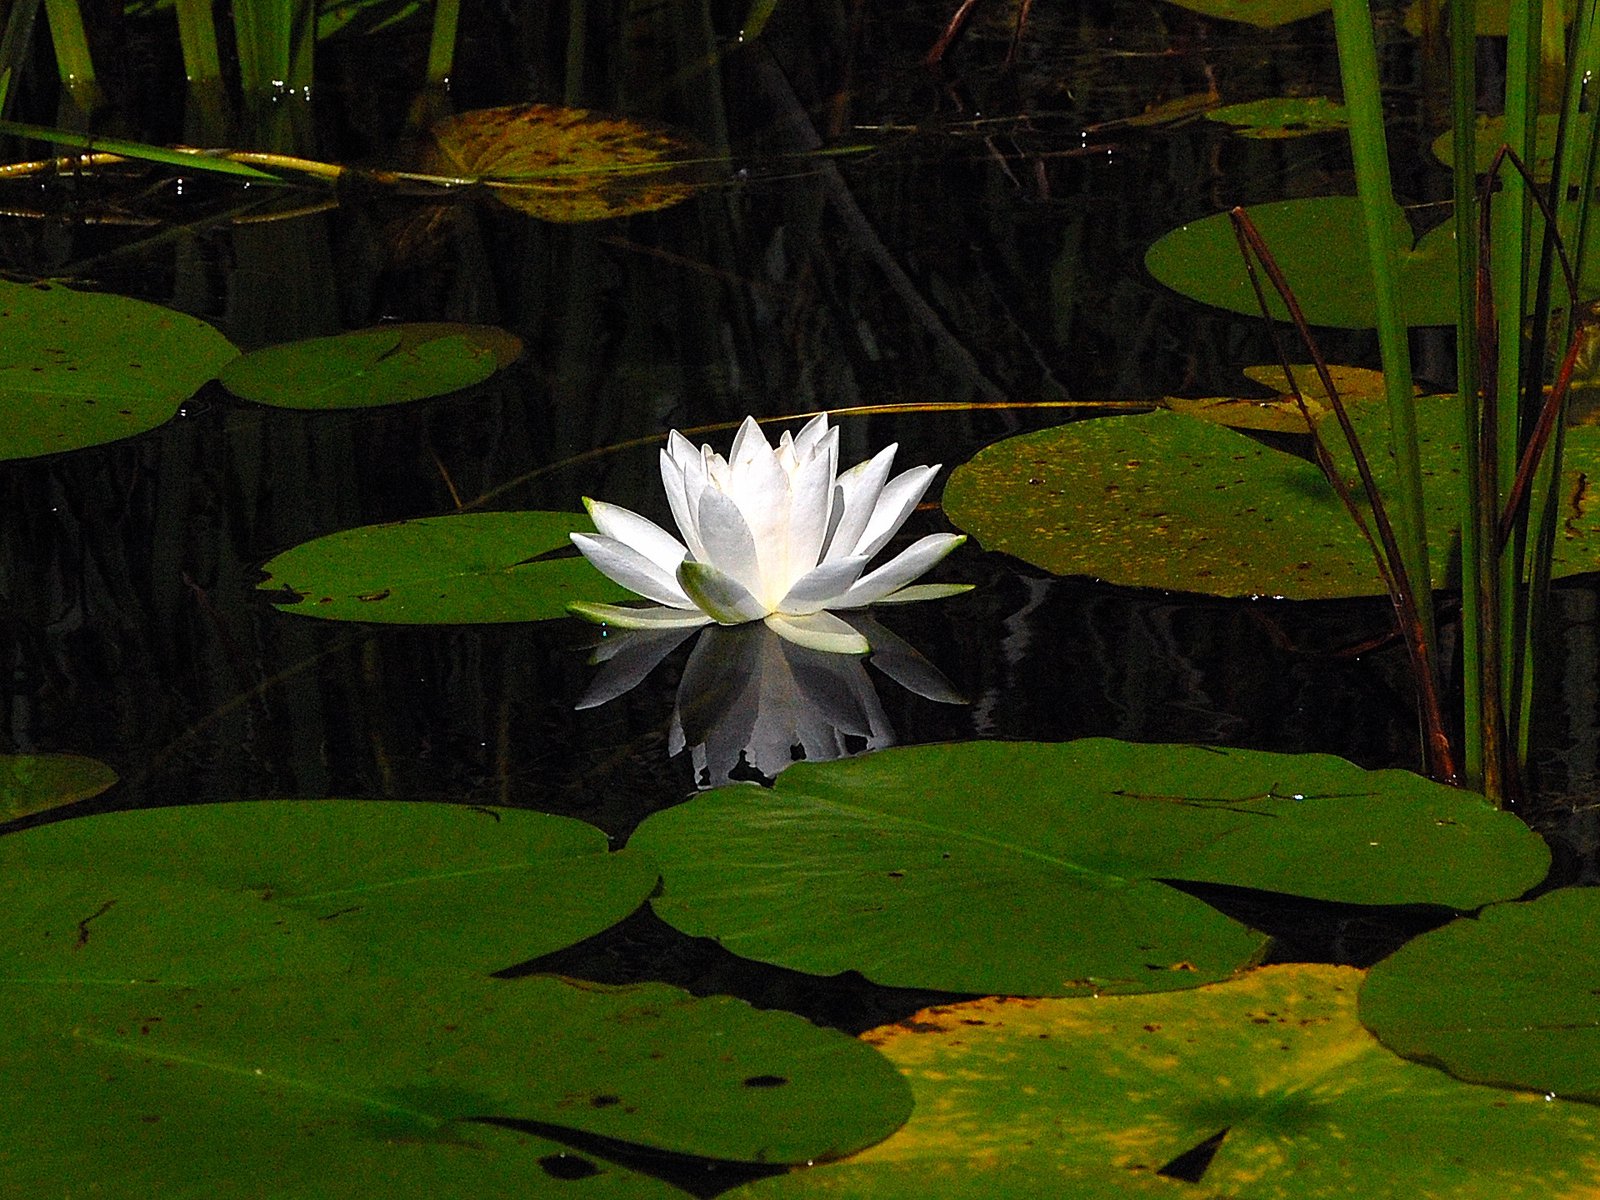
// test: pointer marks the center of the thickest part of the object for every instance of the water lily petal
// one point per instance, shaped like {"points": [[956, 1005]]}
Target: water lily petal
{"points": [[811, 490], [924, 591], [819, 588], [810, 436], [819, 631], [639, 533], [760, 487], [899, 570], [898, 498], [643, 617], [729, 544], [855, 498], [683, 478], [625, 565], [720, 596]]}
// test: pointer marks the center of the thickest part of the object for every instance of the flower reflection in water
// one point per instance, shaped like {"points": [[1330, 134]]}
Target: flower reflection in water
{"points": [[751, 702]]}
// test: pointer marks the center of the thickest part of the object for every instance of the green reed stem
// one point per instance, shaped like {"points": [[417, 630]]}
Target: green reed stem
{"points": [[442, 47], [197, 34], [73, 59], [1358, 67]]}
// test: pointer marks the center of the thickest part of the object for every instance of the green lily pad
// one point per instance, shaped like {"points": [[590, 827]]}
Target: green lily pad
{"points": [[1282, 116], [1490, 135], [1091, 1099], [204, 1090], [79, 368], [434, 884], [1281, 413], [389, 364], [1032, 868], [1509, 998], [571, 164], [1165, 501], [97, 925], [1321, 245], [1267, 14], [467, 568], [32, 783]]}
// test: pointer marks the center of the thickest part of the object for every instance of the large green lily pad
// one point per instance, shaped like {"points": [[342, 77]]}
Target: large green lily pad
{"points": [[1165, 501], [467, 568], [1033, 868], [389, 364], [1510, 998], [80, 368], [32, 783], [208, 1090], [408, 883], [571, 164], [1092, 1098], [1321, 245]]}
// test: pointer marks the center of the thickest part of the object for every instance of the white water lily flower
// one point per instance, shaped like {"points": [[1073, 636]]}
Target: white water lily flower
{"points": [[768, 535]]}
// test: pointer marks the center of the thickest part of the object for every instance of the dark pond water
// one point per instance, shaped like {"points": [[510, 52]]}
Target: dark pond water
{"points": [[984, 247]]}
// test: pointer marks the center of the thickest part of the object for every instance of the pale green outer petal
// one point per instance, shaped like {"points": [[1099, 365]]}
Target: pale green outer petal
{"points": [[899, 570], [632, 570], [721, 597], [819, 631], [855, 497], [652, 617], [811, 486], [894, 506], [729, 544], [640, 533], [924, 591], [823, 586]]}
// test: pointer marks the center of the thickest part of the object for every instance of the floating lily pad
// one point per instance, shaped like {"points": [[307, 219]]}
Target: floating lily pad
{"points": [[570, 164], [206, 1090], [1032, 868], [1268, 14], [94, 924], [1321, 245], [467, 568], [1508, 998], [1281, 413], [31, 783], [1282, 116], [1490, 135], [431, 884], [1164, 501], [1093, 1099], [389, 364], [80, 368]]}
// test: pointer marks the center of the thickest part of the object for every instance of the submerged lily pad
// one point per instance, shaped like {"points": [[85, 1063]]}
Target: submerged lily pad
{"points": [[1033, 868], [1263, 1088], [80, 368], [467, 568], [31, 783], [408, 882], [1281, 413], [389, 364], [1282, 116], [1508, 998], [1166, 501], [204, 1090], [1321, 245], [571, 164]]}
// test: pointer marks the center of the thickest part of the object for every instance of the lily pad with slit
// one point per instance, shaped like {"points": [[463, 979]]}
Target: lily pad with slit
{"points": [[465, 568], [1037, 869], [1259, 1089]]}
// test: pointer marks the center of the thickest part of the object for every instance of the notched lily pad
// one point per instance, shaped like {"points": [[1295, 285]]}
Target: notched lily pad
{"points": [[1262, 1088], [1321, 245], [1508, 998], [409, 883], [32, 783], [467, 568], [1282, 116], [81, 368], [1281, 413], [571, 164], [388, 364]]}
